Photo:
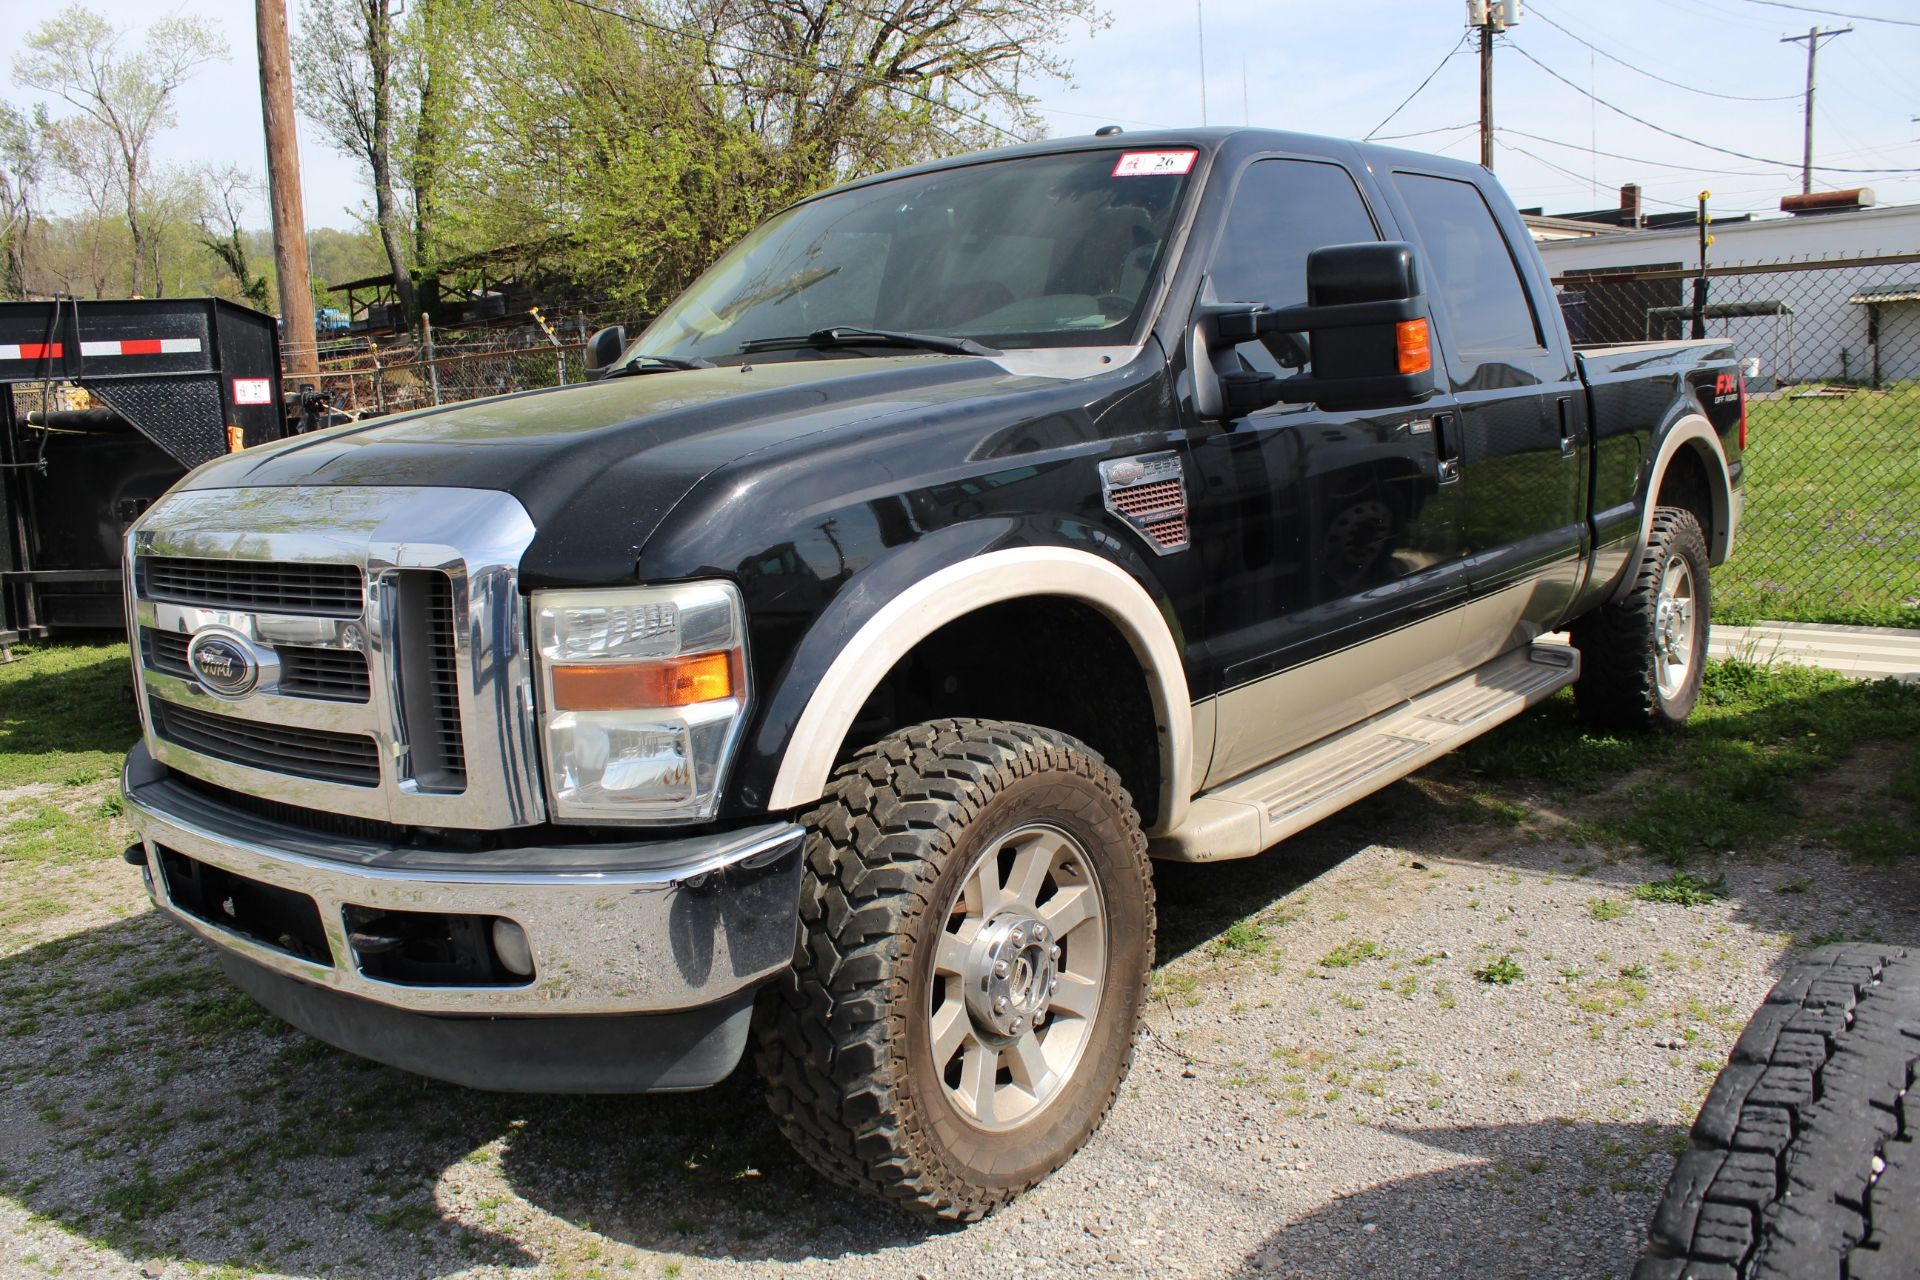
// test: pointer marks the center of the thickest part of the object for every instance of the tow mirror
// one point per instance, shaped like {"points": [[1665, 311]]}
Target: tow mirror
{"points": [[1366, 320], [603, 348]]}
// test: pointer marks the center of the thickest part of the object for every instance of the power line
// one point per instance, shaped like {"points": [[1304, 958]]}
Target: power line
{"points": [[1659, 164], [1641, 120], [1421, 133], [1835, 13], [1416, 92], [828, 67], [1582, 178], [1731, 97]]}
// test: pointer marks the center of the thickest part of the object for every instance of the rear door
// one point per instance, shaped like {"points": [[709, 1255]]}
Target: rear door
{"points": [[1518, 425], [1331, 548]]}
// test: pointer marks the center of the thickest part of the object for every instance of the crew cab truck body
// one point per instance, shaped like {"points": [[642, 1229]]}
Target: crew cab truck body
{"points": [[818, 676]]}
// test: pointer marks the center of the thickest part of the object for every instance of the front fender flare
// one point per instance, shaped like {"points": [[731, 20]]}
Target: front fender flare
{"points": [[958, 589]]}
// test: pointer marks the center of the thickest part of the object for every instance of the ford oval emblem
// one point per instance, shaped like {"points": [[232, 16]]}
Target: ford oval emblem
{"points": [[225, 663]]}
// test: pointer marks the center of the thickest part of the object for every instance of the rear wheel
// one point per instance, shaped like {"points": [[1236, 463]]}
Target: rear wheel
{"points": [[1641, 657], [977, 923]]}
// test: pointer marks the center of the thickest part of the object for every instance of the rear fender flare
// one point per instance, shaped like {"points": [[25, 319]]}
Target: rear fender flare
{"points": [[1690, 431]]}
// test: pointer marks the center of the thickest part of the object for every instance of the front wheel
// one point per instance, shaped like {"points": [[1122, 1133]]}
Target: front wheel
{"points": [[976, 929], [1641, 657]]}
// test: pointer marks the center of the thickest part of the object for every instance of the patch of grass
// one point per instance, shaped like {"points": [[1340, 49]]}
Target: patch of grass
{"points": [[1350, 953], [1731, 778], [1681, 889], [1501, 972], [1607, 908], [64, 714], [1242, 937], [1877, 839]]}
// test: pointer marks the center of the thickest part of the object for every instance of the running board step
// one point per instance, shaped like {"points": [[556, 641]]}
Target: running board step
{"points": [[1261, 809]]}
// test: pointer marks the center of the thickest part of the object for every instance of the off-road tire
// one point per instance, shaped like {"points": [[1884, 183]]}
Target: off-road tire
{"points": [[886, 848], [1805, 1161], [1619, 685]]}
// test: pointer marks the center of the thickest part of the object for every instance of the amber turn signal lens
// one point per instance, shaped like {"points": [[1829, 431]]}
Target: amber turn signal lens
{"points": [[1416, 352], [632, 686]]}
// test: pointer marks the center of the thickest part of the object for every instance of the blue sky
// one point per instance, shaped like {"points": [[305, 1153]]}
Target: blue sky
{"points": [[1340, 68]]}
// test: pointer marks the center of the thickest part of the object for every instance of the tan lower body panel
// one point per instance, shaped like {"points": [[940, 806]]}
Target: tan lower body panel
{"points": [[1259, 810]]}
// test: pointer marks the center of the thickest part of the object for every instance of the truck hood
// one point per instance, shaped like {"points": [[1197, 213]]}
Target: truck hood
{"points": [[649, 439]]}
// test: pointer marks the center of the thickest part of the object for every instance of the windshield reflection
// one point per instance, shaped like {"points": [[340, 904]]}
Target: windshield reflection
{"points": [[1045, 251]]}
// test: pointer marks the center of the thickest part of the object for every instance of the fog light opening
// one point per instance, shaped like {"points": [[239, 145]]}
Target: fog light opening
{"points": [[510, 947]]}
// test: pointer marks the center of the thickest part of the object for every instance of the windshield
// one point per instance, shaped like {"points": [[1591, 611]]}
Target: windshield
{"points": [[1048, 251]]}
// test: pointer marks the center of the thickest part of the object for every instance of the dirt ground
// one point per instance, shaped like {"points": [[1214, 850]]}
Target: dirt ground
{"points": [[1438, 1035]]}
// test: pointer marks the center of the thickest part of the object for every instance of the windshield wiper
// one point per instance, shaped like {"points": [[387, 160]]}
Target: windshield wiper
{"points": [[842, 335], [655, 364]]}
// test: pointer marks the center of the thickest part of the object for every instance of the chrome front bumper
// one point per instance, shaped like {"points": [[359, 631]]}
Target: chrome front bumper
{"points": [[649, 927]]}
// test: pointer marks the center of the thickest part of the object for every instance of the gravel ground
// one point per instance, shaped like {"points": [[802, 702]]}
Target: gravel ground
{"points": [[1325, 1087]]}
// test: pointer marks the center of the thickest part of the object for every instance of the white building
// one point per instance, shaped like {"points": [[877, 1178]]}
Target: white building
{"points": [[1820, 324]]}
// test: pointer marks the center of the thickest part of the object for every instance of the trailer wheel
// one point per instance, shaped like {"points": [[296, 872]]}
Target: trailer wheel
{"points": [[1805, 1161], [1641, 657], [976, 929]]}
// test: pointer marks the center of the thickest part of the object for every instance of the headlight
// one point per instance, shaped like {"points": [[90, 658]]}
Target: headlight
{"points": [[643, 698]]}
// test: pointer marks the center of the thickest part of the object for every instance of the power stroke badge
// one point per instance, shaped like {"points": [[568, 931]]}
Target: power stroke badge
{"points": [[224, 663]]}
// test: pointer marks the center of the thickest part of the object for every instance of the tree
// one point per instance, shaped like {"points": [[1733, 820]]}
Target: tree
{"points": [[224, 194], [76, 56], [632, 140], [22, 168], [349, 66]]}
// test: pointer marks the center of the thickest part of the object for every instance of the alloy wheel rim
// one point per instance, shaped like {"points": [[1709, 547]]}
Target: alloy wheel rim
{"points": [[1018, 975], [1674, 621]]}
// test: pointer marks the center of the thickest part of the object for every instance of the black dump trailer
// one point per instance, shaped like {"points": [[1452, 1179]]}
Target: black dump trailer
{"points": [[172, 382]]}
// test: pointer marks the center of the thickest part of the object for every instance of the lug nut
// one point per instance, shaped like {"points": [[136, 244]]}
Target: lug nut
{"points": [[1015, 1028], [1039, 1016], [999, 1004], [1017, 938], [1055, 951], [999, 968]]}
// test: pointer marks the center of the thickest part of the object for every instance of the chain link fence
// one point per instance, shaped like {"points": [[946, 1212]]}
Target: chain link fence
{"points": [[369, 377], [1831, 351]]}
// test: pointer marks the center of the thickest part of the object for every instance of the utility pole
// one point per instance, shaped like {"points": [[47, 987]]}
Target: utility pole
{"points": [[1486, 94], [1491, 17], [300, 354], [1813, 38]]}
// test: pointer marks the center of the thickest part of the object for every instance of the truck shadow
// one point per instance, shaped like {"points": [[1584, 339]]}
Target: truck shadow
{"points": [[154, 1110], [1558, 1197]]}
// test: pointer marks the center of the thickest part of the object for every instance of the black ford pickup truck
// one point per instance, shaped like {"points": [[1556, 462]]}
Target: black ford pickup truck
{"points": [[823, 675]]}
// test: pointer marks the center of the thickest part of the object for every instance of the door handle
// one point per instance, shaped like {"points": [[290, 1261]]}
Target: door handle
{"points": [[1567, 445], [1446, 446]]}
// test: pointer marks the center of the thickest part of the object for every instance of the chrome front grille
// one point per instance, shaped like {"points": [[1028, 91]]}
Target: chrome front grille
{"points": [[339, 675], [324, 590], [388, 635], [347, 758]]}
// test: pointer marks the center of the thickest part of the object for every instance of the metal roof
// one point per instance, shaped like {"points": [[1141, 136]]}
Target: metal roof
{"points": [[1887, 293]]}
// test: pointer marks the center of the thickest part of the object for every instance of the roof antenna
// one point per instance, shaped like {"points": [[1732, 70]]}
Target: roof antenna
{"points": [[1107, 131]]}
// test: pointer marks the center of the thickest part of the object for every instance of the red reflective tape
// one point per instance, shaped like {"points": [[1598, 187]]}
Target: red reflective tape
{"points": [[32, 351], [140, 347]]}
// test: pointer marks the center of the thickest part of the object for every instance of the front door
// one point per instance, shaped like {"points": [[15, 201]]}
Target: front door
{"points": [[1330, 545]]}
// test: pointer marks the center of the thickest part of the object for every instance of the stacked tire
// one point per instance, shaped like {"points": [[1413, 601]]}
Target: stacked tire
{"points": [[1805, 1161]]}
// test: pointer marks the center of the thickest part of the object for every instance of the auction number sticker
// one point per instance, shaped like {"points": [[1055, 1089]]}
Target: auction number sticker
{"points": [[1154, 164], [253, 391]]}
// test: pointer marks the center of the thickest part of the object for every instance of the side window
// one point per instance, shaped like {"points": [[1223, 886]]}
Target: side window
{"points": [[1282, 211], [1469, 267]]}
